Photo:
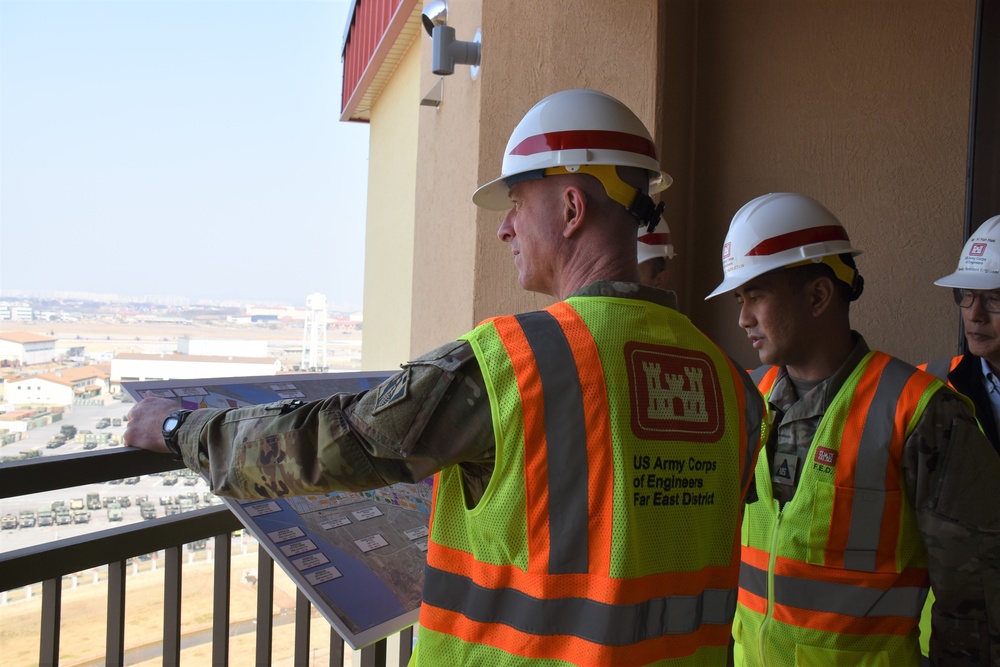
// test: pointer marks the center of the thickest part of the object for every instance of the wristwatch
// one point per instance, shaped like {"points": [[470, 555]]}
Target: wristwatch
{"points": [[171, 425]]}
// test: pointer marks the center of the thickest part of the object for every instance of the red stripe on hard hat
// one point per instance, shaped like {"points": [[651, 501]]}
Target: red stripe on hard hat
{"points": [[598, 139], [799, 238], [656, 238]]}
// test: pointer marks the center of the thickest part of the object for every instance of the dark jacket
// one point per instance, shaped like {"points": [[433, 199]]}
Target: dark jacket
{"points": [[966, 376]]}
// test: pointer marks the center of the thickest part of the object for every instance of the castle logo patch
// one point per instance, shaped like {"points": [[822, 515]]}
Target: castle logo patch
{"points": [[827, 457], [392, 391], [675, 394], [977, 250]]}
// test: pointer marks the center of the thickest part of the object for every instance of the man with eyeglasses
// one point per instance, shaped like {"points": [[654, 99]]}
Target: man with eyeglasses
{"points": [[976, 287]]}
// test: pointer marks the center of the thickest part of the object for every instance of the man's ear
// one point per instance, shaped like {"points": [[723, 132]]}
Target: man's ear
{"points": [[822, 294], [574, 209]]}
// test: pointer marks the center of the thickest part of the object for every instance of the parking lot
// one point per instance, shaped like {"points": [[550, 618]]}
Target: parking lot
{"points": [[127, 493]]}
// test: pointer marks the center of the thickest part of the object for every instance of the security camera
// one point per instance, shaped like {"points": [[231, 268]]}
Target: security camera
{"points": [[446, 51], [435, 13]]}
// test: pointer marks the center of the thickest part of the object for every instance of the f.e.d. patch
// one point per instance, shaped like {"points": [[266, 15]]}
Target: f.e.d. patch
{"points": [[392, 391]]}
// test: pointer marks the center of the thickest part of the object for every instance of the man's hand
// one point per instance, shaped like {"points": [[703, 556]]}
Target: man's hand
{"points": [[145, 424]]}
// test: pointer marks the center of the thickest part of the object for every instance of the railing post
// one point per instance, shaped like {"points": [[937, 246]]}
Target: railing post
{"points": [[374, 655], [265, 607], [115, 647], [220, 622], [172, 606], [303, 616], [48, 651]]}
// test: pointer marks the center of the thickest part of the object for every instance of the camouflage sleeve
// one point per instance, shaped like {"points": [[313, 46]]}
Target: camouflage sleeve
{"points": [[952, 477], [431, 414]]}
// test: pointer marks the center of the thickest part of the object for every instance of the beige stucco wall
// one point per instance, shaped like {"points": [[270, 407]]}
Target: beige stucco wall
{"points": [[392, 177], [862, 105], [444, 248]]}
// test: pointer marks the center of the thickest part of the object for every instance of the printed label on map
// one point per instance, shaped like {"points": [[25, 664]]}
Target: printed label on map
{"points": [[262, 509], [371, 543], [310, 561], [286, 534], [296, 548], [324, 575], [415, 533], [367, 513], [334, 522], [421, 545]]}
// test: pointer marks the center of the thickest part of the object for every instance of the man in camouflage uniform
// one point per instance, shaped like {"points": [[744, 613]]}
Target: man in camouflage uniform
{"points": [[837, 578], [576, 390]]}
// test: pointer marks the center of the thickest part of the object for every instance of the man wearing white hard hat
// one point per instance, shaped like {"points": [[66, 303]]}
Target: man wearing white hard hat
{"points": [[592, 458], [876, 483], [975, 284], [653, 250]]}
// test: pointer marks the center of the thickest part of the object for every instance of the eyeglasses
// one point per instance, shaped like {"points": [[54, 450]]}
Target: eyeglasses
{"points": [[990, 301]]}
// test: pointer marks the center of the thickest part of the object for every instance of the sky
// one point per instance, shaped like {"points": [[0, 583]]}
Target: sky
{"points": [[187, 148]]}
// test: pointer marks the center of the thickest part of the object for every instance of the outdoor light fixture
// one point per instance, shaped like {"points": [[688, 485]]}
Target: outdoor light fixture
{"points": [[446, 51]]}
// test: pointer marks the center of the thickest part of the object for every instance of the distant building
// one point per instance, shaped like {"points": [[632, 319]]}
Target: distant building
{"points": [[18, 312], [222, 347], [143, 367], [58, 388], [19, 348]]}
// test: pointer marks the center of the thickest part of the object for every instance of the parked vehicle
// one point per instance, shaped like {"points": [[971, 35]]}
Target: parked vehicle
{"points": [[147, 511], [124, 501], [76, 504], [94, 501], [63, 516], [57, 440], [81, 516], [44, 517], [8, 522], [117, 421], [27, 518], [170, 480], [115, 512], [68, 430], [131, 480], [103, 423]]}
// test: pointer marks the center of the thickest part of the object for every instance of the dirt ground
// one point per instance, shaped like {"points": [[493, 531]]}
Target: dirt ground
{"points": [[84, 618]]}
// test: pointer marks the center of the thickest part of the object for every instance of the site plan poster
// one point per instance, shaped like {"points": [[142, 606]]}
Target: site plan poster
{"points": [[358, 557]]}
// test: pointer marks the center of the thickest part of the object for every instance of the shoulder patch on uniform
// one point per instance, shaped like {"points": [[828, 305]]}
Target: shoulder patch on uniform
{"points": [[392, 391]]}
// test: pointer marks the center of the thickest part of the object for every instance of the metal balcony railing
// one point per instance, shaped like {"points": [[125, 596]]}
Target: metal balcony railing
{"points": [[48, 564]]}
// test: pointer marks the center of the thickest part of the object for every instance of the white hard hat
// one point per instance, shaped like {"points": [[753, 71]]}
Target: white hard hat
{"points": [[979, 265], [779, 230], [650, 245], [571, 129]]}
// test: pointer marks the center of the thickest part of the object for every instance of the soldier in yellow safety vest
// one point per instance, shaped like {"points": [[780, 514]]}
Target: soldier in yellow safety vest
{"points": [[592, 458], [876, 483]]}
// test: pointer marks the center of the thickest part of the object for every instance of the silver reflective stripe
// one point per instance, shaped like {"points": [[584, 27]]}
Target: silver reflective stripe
{"points": [[753, 424], [605, 624], [858, 601], [844, 599], [939, 368], [758, 374], [566, 443], [870, 469]]}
